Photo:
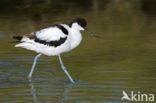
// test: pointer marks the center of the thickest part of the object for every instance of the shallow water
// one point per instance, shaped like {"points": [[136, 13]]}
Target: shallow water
{"points": [[124, 60]]}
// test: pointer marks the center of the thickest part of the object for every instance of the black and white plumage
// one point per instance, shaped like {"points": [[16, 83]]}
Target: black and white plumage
{"points": [[54, 40]]}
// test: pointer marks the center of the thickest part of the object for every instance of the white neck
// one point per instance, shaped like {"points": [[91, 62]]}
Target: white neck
{"points": [[76, 37], [76, 26]]}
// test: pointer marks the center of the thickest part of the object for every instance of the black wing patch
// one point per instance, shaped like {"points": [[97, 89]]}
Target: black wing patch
{"points": [[51, 43], [63, 29]]}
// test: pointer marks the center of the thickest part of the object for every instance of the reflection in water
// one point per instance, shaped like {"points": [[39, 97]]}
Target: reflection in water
{"points": [[63, 98], [68, 87], [33, 91]]}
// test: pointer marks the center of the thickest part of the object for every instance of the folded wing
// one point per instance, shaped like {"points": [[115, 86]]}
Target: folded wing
{"points": [[52, 36]]}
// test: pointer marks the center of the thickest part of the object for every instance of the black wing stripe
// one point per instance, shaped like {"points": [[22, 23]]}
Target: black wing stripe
{"points": [[63, 29], [51, 43]]}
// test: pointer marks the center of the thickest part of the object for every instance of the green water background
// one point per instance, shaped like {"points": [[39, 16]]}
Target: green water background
{"points": [[124, 60]]}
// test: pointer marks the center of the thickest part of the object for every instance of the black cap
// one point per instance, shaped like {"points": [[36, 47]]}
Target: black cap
{"points": [[82, 22]]}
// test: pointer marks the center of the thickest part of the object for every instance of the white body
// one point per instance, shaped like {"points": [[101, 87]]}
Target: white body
{"points": [[53, 33]]}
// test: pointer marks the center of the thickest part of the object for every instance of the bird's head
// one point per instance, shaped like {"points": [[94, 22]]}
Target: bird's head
{"points": [[80, 24]]}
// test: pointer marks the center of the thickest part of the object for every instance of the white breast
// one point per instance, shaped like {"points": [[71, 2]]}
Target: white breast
{"points": [[76, 38]]}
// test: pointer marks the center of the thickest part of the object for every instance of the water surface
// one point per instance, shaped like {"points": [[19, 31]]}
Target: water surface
{"points": [[102, 68]]}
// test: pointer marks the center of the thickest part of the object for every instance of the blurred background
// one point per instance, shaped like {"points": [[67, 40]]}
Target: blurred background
{"points": [[35, 14], [124, 60]]}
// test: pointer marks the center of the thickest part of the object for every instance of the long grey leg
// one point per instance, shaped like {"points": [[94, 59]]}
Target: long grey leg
{"points": [[33, 66], [64, 69]]}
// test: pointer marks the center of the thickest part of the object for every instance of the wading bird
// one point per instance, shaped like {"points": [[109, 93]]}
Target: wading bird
{"points": [[54, 40]]}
